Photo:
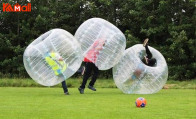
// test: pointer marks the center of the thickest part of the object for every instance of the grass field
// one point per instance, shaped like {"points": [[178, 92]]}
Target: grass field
{"points": [[105, 103], [100, 83]]}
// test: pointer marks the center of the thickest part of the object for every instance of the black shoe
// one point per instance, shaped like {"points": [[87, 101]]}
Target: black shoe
{"points": [[91, 87], [81, 90], [66, 93]]}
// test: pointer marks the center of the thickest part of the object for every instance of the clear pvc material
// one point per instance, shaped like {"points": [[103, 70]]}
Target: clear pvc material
{"points": [[132, 76], [101, 42], [40, 57]]}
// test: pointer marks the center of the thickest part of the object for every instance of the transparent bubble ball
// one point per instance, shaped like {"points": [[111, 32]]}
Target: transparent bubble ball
{"points": [[132, 76], [101, 42], [47, 70]]}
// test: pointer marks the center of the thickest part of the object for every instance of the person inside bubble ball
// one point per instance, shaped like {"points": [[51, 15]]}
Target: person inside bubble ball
{"points": [[148, 60], [55, 61], [90, 66]]}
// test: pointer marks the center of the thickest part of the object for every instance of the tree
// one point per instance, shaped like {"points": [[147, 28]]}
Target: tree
{"points": [[169, 24]]}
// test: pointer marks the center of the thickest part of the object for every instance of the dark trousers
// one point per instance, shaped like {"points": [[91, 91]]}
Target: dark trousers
{"points": [[149, 54], [64, 87], [89, 68]]}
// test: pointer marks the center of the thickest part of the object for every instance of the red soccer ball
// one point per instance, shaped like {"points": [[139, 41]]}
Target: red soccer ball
{"points": [[140, 102]]}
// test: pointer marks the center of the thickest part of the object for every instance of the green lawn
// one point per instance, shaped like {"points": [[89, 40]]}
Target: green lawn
{"points": [[105, 103], [100, 83]]}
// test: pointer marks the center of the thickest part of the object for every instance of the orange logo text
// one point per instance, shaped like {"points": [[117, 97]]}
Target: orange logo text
{"points": [[16, 8]]}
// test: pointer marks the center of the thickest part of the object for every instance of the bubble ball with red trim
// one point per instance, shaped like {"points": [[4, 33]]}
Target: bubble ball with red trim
{"points": [[101, 42], [140, 102], [53, 57]]}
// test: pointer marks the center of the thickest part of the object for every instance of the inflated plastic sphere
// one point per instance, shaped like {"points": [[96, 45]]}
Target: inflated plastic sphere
{"points": [[101, 42], [52, 57], [132, 76]]}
